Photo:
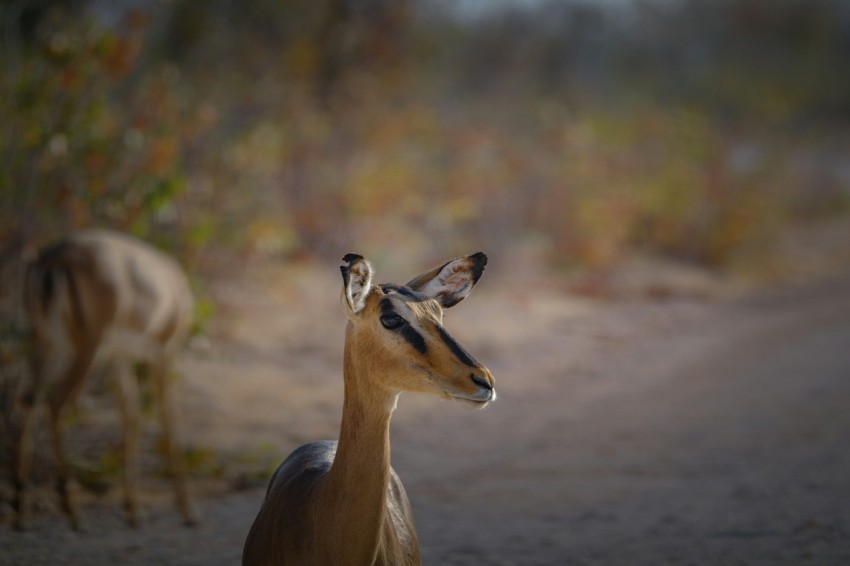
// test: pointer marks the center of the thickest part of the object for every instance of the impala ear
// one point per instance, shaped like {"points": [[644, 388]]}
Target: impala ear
{"points": [[449, 284], [356, 281]]}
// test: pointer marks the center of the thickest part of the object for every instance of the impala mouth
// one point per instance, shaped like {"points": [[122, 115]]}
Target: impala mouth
{"points": [[484, 394], [479, 399]]}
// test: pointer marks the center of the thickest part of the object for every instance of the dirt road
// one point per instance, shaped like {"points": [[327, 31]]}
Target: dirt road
{"points": [[638, 432]]}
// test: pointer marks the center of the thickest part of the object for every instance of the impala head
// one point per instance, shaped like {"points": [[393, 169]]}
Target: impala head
{"points": [[396, 331]]}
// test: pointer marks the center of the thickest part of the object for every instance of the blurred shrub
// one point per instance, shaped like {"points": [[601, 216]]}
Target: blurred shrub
{"points": [[255, 130], [89, 142]]}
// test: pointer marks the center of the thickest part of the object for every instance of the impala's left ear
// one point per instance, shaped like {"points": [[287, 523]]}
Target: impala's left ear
{"points": [[356, 281], [449, 284]]}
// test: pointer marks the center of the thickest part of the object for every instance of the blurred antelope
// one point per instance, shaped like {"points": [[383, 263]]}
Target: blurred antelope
{"points": [[341, 503], [108, 297]]}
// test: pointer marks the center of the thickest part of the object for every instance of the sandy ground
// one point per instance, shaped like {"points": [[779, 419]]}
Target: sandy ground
{"points": [[691, 429]]}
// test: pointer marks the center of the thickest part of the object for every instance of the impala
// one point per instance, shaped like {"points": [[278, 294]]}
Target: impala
{"points": [[341, 503], [102, 297]]}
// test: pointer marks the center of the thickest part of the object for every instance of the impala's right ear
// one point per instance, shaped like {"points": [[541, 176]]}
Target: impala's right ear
{"points": [[356, 281]]}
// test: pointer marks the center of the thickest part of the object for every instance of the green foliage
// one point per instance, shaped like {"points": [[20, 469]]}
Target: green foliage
{"points": [[204, 311]]}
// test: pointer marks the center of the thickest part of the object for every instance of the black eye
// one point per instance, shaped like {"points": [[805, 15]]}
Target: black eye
{"points": [[392, 321]]}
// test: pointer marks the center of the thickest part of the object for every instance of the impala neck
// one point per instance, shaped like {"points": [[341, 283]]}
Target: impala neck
{"points": [[357, 482]]}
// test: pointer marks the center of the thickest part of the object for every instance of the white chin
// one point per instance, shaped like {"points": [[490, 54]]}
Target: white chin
{"points": [[476, 403]]}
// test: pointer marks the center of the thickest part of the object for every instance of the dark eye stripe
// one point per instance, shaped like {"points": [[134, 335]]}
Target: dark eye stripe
{"points": [[414, 338], [456, 348], [408, 332]]}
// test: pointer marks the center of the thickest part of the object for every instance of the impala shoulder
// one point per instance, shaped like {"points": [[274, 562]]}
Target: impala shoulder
{"points": [[304, 465]]}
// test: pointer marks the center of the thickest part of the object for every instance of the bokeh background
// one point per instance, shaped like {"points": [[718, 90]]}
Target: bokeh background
{"points": [[627, 165], [262, 129]]}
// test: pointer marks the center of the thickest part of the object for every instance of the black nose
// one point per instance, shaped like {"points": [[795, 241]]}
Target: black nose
{"points": [[481, 381]]}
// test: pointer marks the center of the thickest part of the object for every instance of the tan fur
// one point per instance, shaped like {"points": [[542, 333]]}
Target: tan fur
{"points": [[341, 503], [106, 296]]}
